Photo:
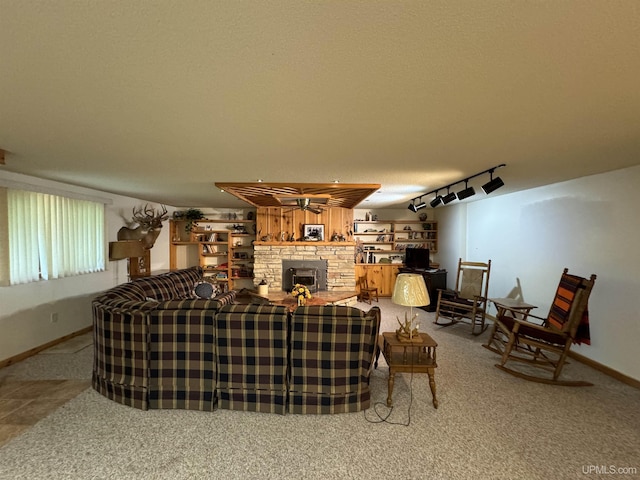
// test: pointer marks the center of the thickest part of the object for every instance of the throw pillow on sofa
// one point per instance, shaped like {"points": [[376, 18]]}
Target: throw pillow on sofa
{"points": [[206, 290]]}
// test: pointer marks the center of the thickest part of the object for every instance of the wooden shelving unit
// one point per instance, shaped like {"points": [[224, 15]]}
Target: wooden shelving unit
{"points": [[223, 248], [389, 238]]}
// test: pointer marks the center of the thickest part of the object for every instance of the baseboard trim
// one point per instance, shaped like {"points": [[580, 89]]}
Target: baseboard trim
{"points": [[606, 370], [29, 353]]}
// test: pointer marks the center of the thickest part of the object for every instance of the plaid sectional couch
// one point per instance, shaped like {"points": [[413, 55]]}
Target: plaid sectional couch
{"points": [[153, 342], [156, 347]]}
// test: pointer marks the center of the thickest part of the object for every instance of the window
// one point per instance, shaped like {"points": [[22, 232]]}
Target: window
{"points": [[52, 236]]}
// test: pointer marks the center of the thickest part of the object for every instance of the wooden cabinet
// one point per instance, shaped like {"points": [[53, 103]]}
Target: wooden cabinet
{"points": [[223, 248], [389, 238], [379, 275]]}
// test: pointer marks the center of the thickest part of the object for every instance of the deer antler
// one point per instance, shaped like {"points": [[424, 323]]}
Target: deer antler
{"points": [[149, 216]]}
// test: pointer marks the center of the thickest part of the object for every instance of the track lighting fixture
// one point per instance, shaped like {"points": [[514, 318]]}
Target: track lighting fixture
{"points": [[449, 197], [415, 207], [467, 192], [492, 185]]}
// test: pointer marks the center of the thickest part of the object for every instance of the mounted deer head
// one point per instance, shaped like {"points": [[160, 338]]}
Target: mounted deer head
{"points": [[149, 225]]}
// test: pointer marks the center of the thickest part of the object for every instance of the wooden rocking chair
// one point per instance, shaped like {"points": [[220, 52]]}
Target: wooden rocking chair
{"points": [[545, 345], [468, 302]]}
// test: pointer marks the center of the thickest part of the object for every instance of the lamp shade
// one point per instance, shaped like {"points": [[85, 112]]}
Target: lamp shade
{"points": [[125, 249], [410, 291]]}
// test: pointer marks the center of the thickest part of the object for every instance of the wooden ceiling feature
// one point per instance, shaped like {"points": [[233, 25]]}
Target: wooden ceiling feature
{"points": [[260, 194]]}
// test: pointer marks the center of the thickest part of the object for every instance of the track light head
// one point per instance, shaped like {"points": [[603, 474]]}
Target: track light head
{"points": [[449, 197], [492, 185], [467, 192], [414, 208]]}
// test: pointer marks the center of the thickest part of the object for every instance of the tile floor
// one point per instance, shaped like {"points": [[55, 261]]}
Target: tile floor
{"points": [[32, 389], [25, 402]]}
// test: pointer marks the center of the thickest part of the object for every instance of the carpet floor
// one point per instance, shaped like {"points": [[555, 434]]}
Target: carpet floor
{"points": [[489, 425]]}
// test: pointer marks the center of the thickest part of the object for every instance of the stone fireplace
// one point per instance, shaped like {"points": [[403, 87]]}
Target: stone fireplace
{"points": [[270, 261]]}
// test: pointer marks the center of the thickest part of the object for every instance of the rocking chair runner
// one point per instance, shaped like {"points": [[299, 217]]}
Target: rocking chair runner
{"points": [[545, 346], [468, 302]]}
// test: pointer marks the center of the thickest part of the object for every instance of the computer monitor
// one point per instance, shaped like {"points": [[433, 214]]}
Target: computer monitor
{"points": [[417, 258]]}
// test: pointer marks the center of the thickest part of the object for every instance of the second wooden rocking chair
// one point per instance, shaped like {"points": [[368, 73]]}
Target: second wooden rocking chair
{"points": [[468, 302], [544, 343]]}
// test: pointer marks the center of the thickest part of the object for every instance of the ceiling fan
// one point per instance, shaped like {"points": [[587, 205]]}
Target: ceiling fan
{"points": [[304, 204]]}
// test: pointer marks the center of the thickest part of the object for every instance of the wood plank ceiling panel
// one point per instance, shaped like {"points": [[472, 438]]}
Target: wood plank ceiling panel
{"points": [[261, 194]]}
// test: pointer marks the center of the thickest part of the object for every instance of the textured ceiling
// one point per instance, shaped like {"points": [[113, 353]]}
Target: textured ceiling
{"points": [[161, 100]]}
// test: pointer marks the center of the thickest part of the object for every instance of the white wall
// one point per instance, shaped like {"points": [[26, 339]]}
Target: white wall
{"points": [[25, 310], [589, 225]]}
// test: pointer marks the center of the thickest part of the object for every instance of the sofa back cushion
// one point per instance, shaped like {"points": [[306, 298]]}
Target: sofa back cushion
{"points": [[184, 280], [182, 367], [125, 291], [158, 287], [251, 354], [332, 351], [121, 355]]}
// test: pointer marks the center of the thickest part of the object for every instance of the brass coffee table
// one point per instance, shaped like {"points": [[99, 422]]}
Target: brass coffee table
{"points": [[416, 357]]}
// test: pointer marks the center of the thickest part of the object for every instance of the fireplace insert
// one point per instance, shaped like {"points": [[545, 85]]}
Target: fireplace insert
{"points": [[311, 273]]}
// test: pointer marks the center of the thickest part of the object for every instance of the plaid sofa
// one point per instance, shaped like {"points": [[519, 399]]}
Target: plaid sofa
{"points": [[251, 355], [153, 342], [156, 347], [331, 354]]}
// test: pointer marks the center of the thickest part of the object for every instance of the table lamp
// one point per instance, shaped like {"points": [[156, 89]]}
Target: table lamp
{"points": [[410, 291]]}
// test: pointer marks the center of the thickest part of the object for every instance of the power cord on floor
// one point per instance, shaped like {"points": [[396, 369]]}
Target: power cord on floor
{"points": [[385, 418]]}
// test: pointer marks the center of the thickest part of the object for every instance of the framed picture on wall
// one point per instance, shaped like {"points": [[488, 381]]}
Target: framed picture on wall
{"points": [[313, 232]]}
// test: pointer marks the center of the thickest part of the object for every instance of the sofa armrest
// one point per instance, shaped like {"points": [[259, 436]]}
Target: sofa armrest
{"points": [[226, 298]]}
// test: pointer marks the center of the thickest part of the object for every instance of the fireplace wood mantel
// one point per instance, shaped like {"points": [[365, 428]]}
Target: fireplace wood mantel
{"points": [[305, 244]]}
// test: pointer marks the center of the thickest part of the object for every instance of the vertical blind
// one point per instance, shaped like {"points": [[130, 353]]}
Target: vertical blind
{"points": [[52, 236]]}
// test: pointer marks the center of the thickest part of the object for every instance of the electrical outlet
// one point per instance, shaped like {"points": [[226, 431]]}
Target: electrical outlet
{"points": [[53, 318]]}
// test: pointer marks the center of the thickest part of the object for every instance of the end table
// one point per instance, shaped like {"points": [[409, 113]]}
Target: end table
{"points": [[415, 357]]}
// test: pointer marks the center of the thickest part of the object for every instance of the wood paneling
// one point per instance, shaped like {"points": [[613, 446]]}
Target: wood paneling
{"points": [[379, 275], [276, 223]]}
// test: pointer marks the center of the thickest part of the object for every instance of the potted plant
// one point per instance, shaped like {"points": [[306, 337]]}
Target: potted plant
{"points": [[192, 215]]}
